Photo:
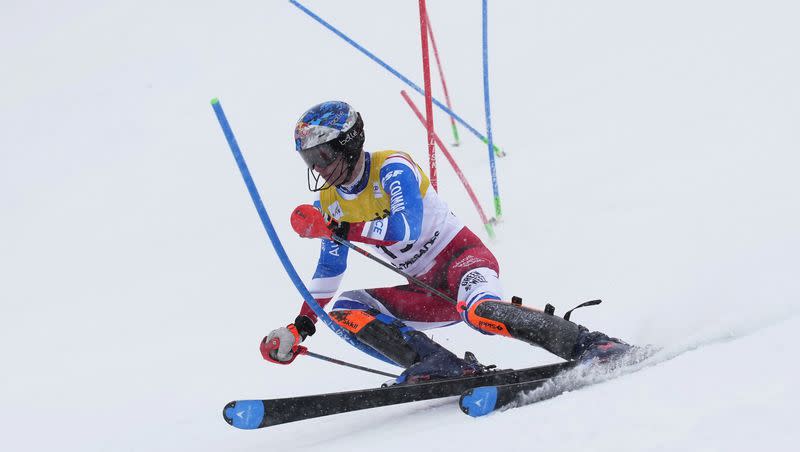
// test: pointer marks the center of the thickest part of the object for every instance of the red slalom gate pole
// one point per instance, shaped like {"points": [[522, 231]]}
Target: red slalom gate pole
{"points": [[487, 223], [426, 69], [441, 77]]}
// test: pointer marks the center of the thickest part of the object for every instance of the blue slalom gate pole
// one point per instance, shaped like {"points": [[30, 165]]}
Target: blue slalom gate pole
{"points": [[276, 242], [394, 72], [492, 167]]}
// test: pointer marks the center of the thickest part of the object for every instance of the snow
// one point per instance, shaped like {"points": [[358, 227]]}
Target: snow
{"points": [[652, 163]]}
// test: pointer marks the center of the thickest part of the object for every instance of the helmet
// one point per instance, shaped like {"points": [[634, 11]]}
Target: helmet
{"points": [[329, 132]]}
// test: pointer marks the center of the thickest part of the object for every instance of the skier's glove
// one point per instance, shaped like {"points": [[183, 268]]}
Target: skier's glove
{"points": [[309, 222], [282, 345]]}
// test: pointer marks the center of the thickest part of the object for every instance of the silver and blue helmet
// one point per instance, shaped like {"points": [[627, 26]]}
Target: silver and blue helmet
{"points": [[326, 133]]}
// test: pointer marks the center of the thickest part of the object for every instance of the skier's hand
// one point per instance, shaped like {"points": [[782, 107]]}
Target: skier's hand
{"points": [[282, 345], [309, 222]]}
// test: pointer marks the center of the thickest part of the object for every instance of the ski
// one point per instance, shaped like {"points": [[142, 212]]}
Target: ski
{"points": [[253, 414], [482, 400]]}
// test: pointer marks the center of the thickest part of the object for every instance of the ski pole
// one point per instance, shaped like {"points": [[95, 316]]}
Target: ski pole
{"points": [[369, 255], [267, 347], [346, 364]]}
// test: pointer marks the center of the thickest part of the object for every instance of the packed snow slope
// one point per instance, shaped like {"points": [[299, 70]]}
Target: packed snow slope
{"points": [[652, 162]]}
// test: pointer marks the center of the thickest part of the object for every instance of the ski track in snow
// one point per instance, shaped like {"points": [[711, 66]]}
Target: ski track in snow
{"points": [[578, 378]]}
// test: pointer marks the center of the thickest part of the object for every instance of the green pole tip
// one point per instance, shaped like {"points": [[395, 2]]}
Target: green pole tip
{"points": [[490, 230], [497, 151], [214, 101]]}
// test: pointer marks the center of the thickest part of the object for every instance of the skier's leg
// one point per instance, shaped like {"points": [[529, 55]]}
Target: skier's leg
{"points": [[482, 308], [360, 313]]}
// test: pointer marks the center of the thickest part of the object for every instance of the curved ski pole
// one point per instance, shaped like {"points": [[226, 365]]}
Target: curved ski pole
{"points": [[276, 242], [416, 281]]}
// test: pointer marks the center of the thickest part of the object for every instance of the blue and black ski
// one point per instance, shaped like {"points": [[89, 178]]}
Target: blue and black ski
{"points": [[482, 400], [253, 414], [485, 400]]}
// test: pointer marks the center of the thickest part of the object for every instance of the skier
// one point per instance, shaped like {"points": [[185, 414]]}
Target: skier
{"points": [[384, 199]]}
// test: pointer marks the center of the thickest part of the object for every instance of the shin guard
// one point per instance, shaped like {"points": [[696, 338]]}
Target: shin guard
{"points": [[381, 332]]}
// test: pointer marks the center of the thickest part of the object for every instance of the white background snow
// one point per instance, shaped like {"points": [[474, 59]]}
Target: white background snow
{"points": [[653, 162]]}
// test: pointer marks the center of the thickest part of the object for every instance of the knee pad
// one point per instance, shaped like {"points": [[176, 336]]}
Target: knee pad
{"points": [[347, 303], [477, 283], [476, 287]]}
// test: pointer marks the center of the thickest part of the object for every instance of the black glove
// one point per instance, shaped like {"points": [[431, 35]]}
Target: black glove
{"points": [[339, 229], [305, 326]]}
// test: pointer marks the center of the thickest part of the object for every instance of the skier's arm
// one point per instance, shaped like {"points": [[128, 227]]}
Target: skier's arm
{"points": [[331, 266], [400, 179], [281, 344]]}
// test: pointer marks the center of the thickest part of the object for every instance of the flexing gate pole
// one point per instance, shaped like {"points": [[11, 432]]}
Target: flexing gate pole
{"points": [[441, 77], [497, 209], [276, 243], [426, 71], [487, 223], [394, 72]]}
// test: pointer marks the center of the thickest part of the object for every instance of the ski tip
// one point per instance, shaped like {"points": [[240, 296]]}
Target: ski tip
{"points": [[478, 402], [244, 414], [214, 101]]}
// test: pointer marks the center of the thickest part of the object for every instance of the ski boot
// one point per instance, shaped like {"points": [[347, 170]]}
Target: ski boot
{"points": [[557, 335], [440, 363], [596, 347]]}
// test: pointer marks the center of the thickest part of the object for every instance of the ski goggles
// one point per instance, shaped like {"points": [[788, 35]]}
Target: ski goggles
{"points": [[320, 156]]}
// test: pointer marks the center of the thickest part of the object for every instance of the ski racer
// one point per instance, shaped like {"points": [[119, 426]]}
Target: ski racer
{"points": [[384, 199]]}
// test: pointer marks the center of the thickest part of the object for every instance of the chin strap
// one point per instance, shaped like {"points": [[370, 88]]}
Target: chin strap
{"points": [[351, 166], [311, 175]]}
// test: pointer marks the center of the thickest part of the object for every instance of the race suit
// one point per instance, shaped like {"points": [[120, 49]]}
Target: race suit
{"points": [[400, 214]]}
